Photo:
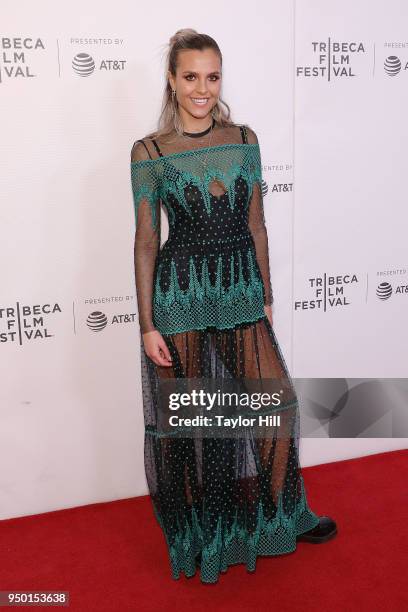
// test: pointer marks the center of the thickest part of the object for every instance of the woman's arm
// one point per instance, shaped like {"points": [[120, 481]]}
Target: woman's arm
{"points": [[146, 248], [256, 221], [148, 231]]}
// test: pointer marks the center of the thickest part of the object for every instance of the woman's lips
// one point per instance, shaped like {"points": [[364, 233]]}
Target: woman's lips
{"points": [[199, 101]]}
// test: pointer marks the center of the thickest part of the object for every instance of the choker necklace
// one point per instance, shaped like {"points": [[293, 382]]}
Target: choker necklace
{"points": [[198, 134]]}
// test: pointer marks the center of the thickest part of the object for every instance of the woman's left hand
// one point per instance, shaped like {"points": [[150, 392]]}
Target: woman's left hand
{"points": [[268, 312]]}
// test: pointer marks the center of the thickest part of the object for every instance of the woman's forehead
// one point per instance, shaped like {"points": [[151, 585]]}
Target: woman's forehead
{"points": [[206, 60]]}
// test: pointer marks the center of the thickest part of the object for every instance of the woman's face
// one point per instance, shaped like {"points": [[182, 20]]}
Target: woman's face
{"points": [[197, 82]]}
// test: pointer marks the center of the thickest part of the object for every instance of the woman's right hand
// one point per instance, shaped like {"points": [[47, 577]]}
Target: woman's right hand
{"points": [[156, 348]]}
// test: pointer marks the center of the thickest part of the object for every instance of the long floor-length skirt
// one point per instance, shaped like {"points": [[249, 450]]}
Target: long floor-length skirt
{"points": [[230, 499]]}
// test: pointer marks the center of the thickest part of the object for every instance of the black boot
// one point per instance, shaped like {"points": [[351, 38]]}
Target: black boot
{"points": [[325, 530]]}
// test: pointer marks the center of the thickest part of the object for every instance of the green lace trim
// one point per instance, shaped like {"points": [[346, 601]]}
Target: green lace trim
{"points": [[145, 186], [235, 544], [202, 304], [155, 178]]}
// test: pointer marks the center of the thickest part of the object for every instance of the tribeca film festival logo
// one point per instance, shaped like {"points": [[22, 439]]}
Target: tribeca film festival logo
{"points": [[338, 59], [26, 322], [332, 59], [328, 292], [18, 57], [16, 54]]}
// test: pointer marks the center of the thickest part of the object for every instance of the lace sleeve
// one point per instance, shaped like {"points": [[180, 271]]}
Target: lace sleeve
{"points": [[148, 231], [256, 221]]}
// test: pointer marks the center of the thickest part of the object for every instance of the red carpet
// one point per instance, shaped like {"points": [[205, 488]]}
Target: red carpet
{"points": [[112, 556]]}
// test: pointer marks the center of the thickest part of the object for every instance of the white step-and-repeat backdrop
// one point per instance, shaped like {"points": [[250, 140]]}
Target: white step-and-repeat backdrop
{"points": [[325, 88]]}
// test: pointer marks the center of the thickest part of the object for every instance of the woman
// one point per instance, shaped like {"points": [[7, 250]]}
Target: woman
{"points": [[205, 313]]}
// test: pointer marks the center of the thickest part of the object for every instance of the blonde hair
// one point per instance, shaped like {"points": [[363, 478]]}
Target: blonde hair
{"points": [[169, 119]]}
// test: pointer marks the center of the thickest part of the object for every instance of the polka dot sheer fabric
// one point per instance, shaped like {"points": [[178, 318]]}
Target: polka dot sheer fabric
{"points": [[229, 500]]}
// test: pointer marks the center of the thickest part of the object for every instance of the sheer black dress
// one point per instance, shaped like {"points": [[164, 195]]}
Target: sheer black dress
{"points": [[230, 499]]}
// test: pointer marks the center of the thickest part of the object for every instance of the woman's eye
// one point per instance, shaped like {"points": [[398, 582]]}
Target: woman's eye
{"points": [[190, 77]]}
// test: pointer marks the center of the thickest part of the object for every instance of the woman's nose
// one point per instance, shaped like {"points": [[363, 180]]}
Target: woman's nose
{"points": [[201, 86]]}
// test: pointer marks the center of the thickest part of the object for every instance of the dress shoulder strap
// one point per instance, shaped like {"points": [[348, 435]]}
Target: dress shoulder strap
{"points": [[157, 147], [244, 134], [144, 144]]}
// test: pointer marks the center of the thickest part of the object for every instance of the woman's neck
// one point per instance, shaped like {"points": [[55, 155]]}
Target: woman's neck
{"points": [[197, 134], [192, 125]]}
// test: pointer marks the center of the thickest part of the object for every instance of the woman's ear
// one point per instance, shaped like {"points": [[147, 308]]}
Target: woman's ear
{"points": [[171, 79]]}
